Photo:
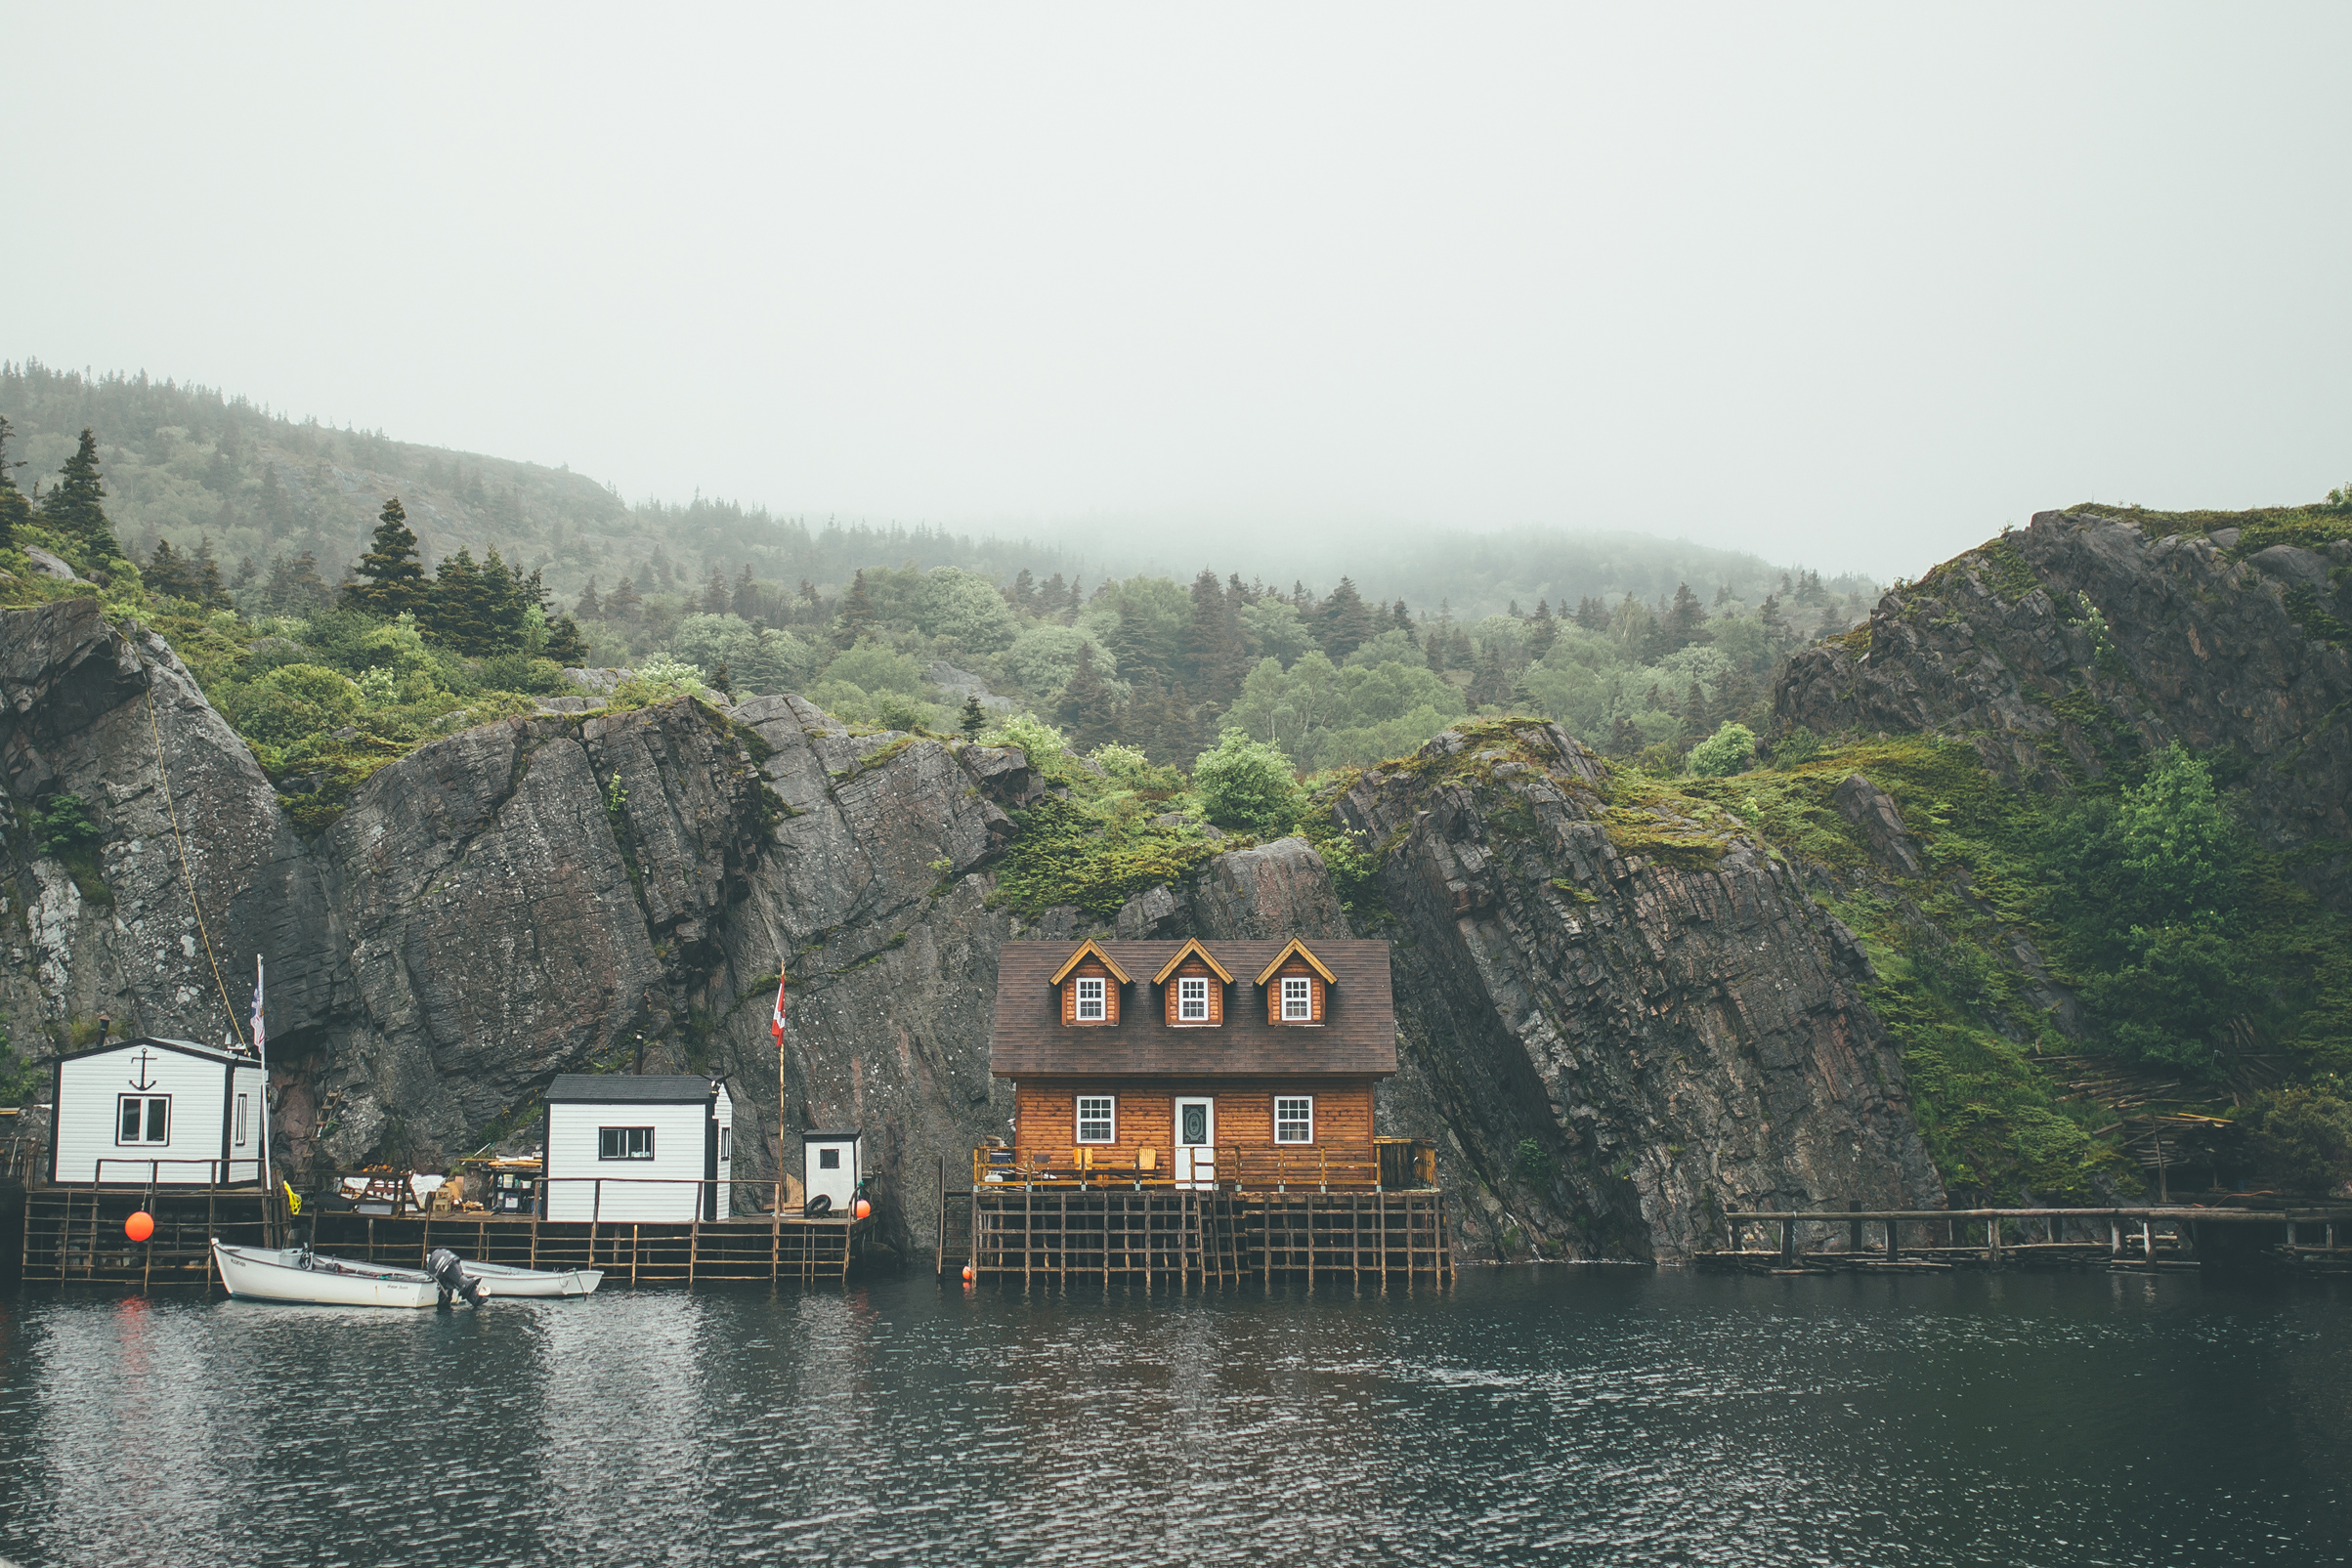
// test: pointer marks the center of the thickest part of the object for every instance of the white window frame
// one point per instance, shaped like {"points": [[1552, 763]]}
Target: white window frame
{"points": [[147, 1104], [1192, 991], [726, 1143], [1092, 993], [1299, 993], [1295, 1111], [240, 1119], [1106, 1118], [627, 1146]]}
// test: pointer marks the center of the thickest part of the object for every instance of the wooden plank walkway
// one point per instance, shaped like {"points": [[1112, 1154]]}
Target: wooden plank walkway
{"points": [[764, 1248]]}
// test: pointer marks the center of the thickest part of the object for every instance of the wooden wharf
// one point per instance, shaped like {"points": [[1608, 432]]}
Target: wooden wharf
{"points": [[74, 1235], [2314, 1238], [1130, 1228]]}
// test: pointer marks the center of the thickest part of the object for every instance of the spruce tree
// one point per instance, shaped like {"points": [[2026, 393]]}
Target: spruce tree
{"points": [[566, 646], [455, 611], [306, 590], [72, 510], [15, 509], [974, 718], [392, 579], [166, 574], [207, 570], [503, 599], [588, 608], [857, 612], [716, 600], [1543, 631], [625, 602], [1089, 712]]}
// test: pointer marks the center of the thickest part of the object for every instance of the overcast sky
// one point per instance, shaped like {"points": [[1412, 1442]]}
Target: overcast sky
{"points": [[1853, 285]]}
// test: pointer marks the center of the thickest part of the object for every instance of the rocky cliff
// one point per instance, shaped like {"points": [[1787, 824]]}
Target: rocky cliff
{"points": [[2087, 639], [1613, 1017]]}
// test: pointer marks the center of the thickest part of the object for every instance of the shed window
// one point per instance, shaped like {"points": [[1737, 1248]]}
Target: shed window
{"points": [[624, 1143], [1295, 1119], [828, 1158], [1089, 1001], [1096, 1117], [1298, 1000], [1192, 1002], [240, 1119], [142, 1118], [726, 1143]]}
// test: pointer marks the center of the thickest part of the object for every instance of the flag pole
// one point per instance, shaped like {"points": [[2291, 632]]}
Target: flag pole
{"points": [[776, 1025], [262, 1049]]}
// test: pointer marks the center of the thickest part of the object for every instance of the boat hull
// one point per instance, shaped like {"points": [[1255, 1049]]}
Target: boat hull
{"points": [[500, 1279], [267, 1274]]}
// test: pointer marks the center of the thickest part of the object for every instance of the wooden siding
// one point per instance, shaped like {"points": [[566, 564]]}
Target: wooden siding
{"points": [[1194, 969], [1090, 970], [202, 1129], [628, 1187], [1293, 971], [1045, 1113]]}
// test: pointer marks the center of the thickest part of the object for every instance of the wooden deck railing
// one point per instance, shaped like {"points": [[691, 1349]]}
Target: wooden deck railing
{"points": [[1394, 1164]]}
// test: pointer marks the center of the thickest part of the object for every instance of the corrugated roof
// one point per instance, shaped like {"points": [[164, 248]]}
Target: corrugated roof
{"points": [[629, 1088], [1357, 1038]]}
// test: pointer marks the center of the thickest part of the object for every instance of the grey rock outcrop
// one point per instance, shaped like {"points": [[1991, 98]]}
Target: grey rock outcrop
{"points": [[2084, 640], [1618, 1040]]}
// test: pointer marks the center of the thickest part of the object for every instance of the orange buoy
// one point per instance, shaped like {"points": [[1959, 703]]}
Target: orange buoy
{"points": [[139, 1226], [864, 1209], [968, 1274]]}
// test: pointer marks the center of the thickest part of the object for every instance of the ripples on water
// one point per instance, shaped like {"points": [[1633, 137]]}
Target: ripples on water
{"points": [[1585, 1416]]}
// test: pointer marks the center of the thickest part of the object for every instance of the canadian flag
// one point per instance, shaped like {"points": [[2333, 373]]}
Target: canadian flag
{"points": [[776, 1024]]}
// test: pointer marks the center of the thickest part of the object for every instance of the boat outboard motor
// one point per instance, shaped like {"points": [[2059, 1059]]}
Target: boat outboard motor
{"points": [[448, 1269]]}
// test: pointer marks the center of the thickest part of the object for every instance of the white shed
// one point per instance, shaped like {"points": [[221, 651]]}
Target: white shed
{"points": [[829, 1165], [644, 1146], [164, 1111]]}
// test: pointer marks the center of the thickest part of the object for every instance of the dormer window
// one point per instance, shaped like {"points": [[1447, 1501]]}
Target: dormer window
{"points": [[1298, 999], [1192, 1001], [1298, 988], [1088, 983], [1091, 1008]]}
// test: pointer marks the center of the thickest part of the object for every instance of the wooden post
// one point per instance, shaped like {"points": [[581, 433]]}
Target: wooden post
{"points": [[1854, 1227], [1788, 1244], [1894, 1243]]}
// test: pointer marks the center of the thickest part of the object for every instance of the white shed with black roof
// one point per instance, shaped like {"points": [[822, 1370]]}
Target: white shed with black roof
{"points": [[166, 1113], [656, 1147]]}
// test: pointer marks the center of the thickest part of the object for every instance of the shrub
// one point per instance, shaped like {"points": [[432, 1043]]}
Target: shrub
{"points": [[2300, 1139], [1247, 784], [1728, 751], [1797, 748]]}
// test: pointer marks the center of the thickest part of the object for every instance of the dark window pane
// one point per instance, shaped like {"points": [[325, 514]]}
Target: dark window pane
{"points": [[159, 1121]]}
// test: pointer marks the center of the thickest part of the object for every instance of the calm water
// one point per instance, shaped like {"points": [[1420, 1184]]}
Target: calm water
{"points": [[1586, 1416]]}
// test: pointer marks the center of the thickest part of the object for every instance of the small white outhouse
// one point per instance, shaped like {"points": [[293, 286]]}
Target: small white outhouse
{"points": [[829, 1165], [645, 1146], [167, 1111]]}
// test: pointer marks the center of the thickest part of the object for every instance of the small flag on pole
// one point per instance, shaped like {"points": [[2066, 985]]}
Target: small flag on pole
{"points": [[257, 1026], [776, 1024]]}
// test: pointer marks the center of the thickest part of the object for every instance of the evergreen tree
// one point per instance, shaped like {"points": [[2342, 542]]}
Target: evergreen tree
{"points": [[1023, 590], [1698, 721], [1087, 713], [974, 718], [1592, 615], [71, 509], [565, 645], [167, 575], [506, 599], [722, 681], [1490, 683], [15, 509], [716, 600], [1400, 618], [1623, 738], [626, 603], [209, 588], [748, 596], [1543, 631], [588, 608], [1346, 624], [392, 577], [857, 612], [307, 590], [454, 611], [1681, 624]]}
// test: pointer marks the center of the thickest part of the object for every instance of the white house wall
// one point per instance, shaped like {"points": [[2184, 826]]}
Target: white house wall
{"points": [[628, 1190], [86, 1123], [244, 1159], [724, 1112]]}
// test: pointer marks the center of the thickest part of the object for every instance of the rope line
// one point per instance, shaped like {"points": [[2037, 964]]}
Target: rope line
{"points": [[186, 879]]}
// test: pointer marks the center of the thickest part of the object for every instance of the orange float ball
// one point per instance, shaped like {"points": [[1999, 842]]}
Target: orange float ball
{"points": [[968, 1274], [139, 1226], [864, 1209]]}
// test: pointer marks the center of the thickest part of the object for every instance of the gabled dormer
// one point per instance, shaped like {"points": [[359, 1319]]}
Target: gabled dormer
{"points": [[1192, 988], [1089, 984], [1297, 986]]}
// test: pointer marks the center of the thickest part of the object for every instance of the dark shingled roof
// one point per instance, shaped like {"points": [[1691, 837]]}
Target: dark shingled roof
{"points": [[629, 1088], [1359, 1036]]}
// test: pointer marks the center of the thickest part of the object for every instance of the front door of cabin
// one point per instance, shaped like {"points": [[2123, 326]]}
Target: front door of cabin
{"points": [[1196, 1143]]}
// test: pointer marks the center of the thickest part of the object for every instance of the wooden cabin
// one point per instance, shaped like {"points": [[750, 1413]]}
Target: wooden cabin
{"points": [[656, 1147], [1196, 1062], [149, 1112]]}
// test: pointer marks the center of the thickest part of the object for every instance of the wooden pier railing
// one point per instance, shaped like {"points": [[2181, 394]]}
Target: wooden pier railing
{"points": [[2123, 1225]]}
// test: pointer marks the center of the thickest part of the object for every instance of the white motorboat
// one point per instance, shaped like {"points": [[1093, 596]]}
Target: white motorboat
{"points": [[500, 1279], [297, 1273]]}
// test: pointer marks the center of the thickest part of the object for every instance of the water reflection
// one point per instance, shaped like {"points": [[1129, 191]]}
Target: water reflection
{"points": [[1575, 1415]]}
